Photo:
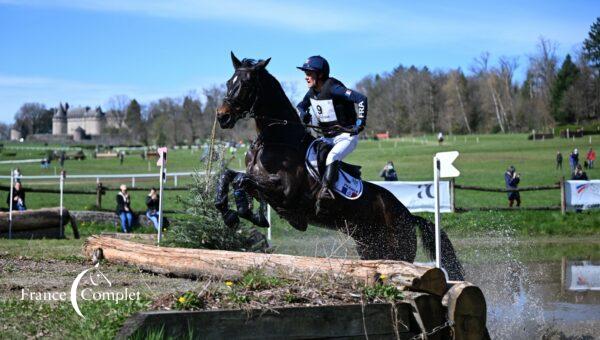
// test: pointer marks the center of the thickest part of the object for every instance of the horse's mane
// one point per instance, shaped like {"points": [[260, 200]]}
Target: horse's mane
{"points": [[272, 84]]}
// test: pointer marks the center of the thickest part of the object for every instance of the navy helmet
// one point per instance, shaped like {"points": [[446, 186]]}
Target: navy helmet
{"points": [[317, 64]]}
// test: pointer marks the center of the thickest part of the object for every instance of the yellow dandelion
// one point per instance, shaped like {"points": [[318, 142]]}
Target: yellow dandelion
{"points": [[383, 277], [228, 283], [181, 299]]}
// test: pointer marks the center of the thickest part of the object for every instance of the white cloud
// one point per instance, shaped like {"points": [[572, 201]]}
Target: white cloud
{"points": [[317, 17]]}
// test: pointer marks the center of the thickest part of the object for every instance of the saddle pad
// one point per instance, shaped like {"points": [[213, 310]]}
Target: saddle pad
{"points": [[346, 185]]}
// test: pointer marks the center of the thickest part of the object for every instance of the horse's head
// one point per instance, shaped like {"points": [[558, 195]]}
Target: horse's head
{"points": [[242, 91]]}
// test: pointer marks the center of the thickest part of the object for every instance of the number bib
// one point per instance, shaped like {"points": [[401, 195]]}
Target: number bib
{"points": [[324, 110]]}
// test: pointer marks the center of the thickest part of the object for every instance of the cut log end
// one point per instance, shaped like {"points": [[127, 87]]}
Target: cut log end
{"points": [[467, 309]]}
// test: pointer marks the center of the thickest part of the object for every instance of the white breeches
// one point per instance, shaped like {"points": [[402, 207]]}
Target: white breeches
{"points": [[343, 145]]}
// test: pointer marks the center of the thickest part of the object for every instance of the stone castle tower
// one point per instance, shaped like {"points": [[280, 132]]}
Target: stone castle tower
{"points": [[59, 121]]}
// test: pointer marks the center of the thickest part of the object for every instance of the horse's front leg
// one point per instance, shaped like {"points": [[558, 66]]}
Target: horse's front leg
{"points": [[242, 184], [230, 217]]}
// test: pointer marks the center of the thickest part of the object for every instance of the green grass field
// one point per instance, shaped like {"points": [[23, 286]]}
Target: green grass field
{"points": [[482, 162], [478, 236]]}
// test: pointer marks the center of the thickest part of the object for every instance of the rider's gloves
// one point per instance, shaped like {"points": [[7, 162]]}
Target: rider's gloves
{"points": [[357, 128], [306, 118]]}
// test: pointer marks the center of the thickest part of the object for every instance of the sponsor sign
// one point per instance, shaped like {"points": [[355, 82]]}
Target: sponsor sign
{"points": [[582, 195], [419, 196]]}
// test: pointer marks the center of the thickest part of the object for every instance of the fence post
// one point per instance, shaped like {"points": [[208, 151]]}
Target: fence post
{"points": [[133, 182], [563, 203], [452, 204], [99, 195]]}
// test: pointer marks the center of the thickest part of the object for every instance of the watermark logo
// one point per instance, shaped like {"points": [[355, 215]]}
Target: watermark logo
{"points": [[97, 288]]}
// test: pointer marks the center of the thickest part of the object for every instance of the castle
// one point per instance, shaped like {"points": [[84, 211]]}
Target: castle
{"points": [[78, 122]]}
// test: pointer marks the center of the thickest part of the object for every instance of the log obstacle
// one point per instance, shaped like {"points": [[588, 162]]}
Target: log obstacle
{"points": [[431, 305], [184, 262], [37, 223]]}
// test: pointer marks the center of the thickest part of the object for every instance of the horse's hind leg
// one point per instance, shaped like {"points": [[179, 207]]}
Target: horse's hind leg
{"points": [[230, 217]]}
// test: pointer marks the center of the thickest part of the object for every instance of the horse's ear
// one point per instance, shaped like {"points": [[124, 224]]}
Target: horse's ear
{"points": [[263, 64], [236, 62]]}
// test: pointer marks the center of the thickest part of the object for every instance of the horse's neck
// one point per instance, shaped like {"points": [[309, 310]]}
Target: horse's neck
{"points": [[275, 109]]}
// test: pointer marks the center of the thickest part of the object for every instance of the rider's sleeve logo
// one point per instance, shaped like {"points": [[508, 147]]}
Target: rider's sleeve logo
{"points": [[361, 109]]}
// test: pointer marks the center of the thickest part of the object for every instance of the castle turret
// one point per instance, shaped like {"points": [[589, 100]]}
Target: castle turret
{"points": [[59, 121]]}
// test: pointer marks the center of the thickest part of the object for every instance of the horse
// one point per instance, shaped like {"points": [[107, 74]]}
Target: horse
{"points": [[382, 227]]}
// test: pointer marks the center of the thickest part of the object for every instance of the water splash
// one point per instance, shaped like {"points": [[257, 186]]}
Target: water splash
{"points": [[515, 311]]}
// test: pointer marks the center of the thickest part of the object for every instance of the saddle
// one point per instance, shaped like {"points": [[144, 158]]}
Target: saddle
{"points": [[348, 185]]}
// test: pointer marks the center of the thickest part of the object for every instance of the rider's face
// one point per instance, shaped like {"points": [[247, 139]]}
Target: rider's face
{"points": [[311, 78]]}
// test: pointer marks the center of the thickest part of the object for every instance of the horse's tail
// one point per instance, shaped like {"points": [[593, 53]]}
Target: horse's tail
{"points": [[449, 260]]}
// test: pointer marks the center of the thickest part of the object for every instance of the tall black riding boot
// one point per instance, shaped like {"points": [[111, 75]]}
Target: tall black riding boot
{"points": [[328, 181]]}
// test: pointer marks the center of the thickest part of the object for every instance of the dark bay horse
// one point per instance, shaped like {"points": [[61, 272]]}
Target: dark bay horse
{"points": [[381, 225]]}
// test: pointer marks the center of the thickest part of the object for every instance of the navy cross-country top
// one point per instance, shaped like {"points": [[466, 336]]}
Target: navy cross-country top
{"points": [[334, 105]]}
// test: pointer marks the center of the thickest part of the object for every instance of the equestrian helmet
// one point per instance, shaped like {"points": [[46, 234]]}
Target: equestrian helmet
{"points": [[317, 64]]}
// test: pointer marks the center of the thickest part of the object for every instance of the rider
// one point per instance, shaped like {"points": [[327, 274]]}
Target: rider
{"points": [[333, 105]]}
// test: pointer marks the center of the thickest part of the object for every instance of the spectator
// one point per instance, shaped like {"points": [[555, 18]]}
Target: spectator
{"points": [[440, 138], [512, 179], [152, 205], [17, 174], [124, 209], [62, 159], [574, 159], [388, 172], [591, 157], [559, 159], [121, 157], [18, 196], [579, 174]]}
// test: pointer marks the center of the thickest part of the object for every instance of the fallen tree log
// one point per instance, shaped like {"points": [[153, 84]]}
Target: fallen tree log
{"points": [[229, 264], [37, 223]]}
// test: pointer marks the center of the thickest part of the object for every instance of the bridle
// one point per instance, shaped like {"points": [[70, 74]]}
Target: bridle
{"points": [[237, 102]]}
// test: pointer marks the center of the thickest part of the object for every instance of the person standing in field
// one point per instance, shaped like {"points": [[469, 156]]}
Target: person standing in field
{"points": [[591, 157], [559, 160], [18, 198], [512, 179], [388, 172], [440, 138], [574, 159], [579, 174], [152, 205], [124, 209]]}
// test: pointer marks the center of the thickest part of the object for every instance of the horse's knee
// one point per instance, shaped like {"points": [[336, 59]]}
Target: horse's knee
{"points": [[242, 203]]}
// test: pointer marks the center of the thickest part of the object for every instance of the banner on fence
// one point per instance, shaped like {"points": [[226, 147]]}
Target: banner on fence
{"points": [[581, 195], [419, 196]]}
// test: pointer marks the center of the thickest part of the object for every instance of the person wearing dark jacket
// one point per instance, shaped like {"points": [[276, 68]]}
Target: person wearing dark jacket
{"points": [[18, 195], [152, 207], [333, 107], [579, 174], [512, 179], [388, 172], [124, 209], [559, 160]]}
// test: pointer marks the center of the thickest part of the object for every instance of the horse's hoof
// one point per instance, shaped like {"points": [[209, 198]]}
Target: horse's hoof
{"points": [[231, 219]]}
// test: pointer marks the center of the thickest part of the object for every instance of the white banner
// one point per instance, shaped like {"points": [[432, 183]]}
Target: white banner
{"points": [[581, 195], [418, 196]]}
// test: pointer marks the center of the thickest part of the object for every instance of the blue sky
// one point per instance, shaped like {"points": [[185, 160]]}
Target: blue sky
{"points": [[87, 51]]}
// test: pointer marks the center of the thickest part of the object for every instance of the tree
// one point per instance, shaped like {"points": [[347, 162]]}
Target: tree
{"points": [[591, 45], [134, 122], [564, 80], [192, 115], [117, 107], [33, 118]]}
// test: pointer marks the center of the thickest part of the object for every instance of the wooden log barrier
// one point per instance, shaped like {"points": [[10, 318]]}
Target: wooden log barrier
{"points": [[37, 223], [467, 310], [229, 264]]}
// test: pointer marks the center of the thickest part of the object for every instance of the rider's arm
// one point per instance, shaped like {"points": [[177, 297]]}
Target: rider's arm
{"points": [[303, 109], [355, 97]]}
